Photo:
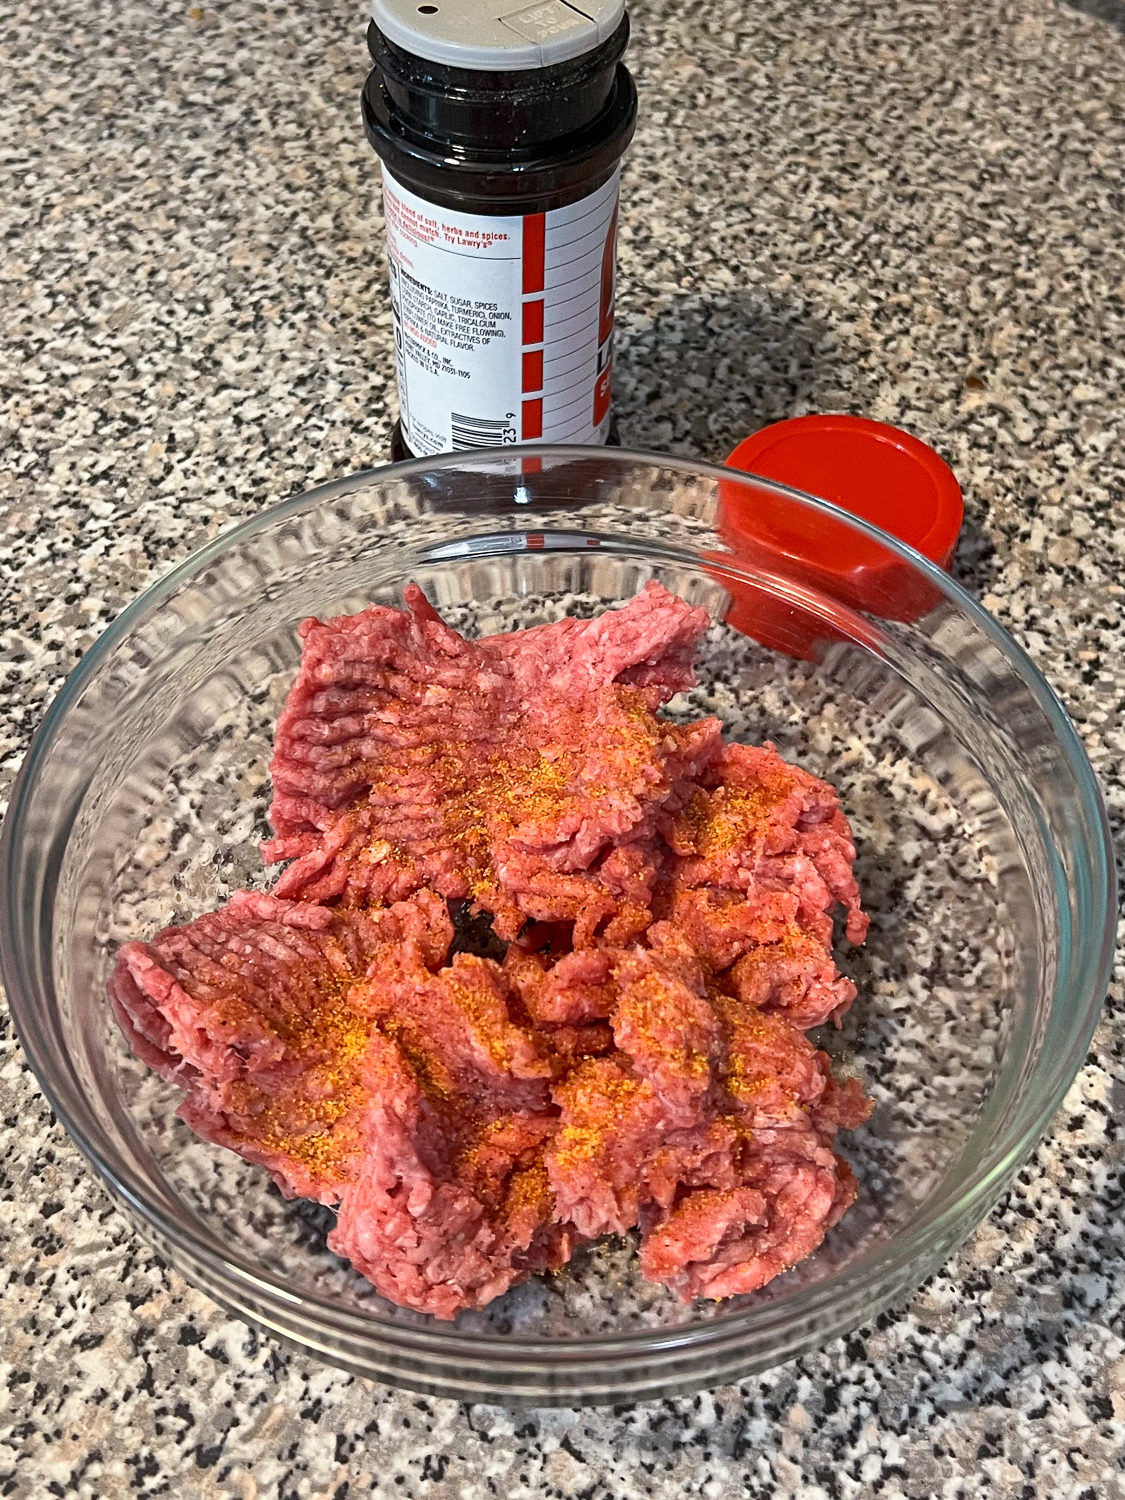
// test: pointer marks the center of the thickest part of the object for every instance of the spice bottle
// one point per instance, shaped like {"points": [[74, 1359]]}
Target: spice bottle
{"points": [[501, 140]]}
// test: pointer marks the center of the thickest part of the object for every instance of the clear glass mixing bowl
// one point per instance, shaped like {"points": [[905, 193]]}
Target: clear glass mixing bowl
{"points": [[983, 855]]}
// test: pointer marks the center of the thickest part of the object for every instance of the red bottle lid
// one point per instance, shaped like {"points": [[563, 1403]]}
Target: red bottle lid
{"points": [[876, 472]]}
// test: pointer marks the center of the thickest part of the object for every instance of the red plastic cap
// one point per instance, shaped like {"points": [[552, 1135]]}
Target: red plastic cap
{"points": [[876, 472]]}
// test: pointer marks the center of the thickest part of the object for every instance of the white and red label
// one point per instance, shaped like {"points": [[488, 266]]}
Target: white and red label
{"points": [[503, 324]]}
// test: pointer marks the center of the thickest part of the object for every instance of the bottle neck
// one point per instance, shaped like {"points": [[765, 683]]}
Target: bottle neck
{"points": [[468, 110]]}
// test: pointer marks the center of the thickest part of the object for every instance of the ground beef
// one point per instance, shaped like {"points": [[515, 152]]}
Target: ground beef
{"points": [[649, 643], [761, 857], [610, 1120], [455, 1028], [796, 975], [255, 1011], [451, 1205], [788, 1108], [667, 1029], [574, 990], [711, 1127], [722, 925], [540, 968], [720, 1242], [524, 771], [756, 821]]}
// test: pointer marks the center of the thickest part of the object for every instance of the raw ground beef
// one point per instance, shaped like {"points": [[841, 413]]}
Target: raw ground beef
{"points": [[254, 1010], [451, 1206], [625, 1048], [524, 770], [711, 1127]]}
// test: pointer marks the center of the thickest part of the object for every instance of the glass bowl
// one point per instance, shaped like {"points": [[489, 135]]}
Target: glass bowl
{"points": [[984, 859]]}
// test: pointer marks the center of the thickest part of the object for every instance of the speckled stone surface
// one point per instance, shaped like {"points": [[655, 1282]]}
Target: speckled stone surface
{"points": [[901, 208]]}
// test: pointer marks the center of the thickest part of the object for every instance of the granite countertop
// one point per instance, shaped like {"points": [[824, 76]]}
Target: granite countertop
{"points": [[908, 208]]}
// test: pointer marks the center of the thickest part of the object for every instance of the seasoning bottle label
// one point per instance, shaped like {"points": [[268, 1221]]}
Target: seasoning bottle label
{"points": [[503, 324]]}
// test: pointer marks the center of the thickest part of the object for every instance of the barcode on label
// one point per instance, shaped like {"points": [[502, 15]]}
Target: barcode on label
{"points": [[481, 432]]}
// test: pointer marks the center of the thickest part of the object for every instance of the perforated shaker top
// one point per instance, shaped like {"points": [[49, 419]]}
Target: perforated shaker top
{"points": [[496, 36]]}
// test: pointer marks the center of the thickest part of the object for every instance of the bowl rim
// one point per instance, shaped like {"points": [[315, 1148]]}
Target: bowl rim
{"points": [[973, 1193]]}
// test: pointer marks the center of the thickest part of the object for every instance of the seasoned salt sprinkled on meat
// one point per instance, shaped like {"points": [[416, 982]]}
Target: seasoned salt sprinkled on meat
{"points": [[505, 769], [450, 1207], [648, 918], [610, 1119], [253, 1010], [668, 1031], [795, 975], [706, 1099]]}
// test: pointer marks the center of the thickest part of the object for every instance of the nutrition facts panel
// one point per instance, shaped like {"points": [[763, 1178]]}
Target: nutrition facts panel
{"points": [[503, 324]]}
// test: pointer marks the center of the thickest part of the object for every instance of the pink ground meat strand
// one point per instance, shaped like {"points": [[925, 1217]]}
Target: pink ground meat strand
{"points": [[638, 1058]]}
